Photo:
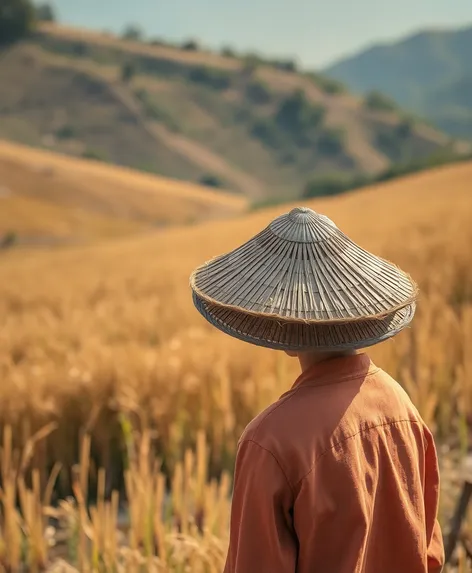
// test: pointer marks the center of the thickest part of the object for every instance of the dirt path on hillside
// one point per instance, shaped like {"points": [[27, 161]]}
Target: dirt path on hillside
{"points": [[215, 164], [194, 152]]}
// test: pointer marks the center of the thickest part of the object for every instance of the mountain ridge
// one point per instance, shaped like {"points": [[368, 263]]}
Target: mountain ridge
{"points": [[411, 70]]}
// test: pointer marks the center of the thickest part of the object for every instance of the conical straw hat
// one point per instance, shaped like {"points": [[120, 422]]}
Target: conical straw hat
{"points": [[302, 284]]}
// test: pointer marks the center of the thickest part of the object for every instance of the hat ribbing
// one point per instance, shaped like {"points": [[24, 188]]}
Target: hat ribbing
{"points": [[302, 283]]}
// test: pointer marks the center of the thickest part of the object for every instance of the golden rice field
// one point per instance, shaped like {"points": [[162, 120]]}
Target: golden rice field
{"points": [[112, 384]]}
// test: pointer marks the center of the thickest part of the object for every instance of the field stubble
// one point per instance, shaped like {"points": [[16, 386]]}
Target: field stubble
{"points": [[102, 353]]}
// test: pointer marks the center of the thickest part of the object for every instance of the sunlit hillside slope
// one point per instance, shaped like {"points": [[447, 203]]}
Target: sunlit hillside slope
{"points": [[46, 198]]}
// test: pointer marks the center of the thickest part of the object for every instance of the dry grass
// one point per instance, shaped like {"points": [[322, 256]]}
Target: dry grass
{"points": [[166, 52], [35, 220], [162, 534], [200, 156], [104, 342], [96, 199]]}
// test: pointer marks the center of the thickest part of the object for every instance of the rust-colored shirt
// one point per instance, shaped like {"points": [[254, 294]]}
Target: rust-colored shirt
{"points": [[340, 475]]}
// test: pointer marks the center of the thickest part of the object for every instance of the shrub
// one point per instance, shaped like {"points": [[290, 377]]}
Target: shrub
{"points": [[391, 144], [152, 110], [80, 49], [216, 79], [258, 93], [128, 71], [190, 45], [328, 85], [243, 114], [211, 180], [336, 184], [326, 185], [45, 13], [377, 101], [66, 132], [405, 128], [331, 142], [16, 20], [94, 154], [253, 59], [437, 159], [132, 32], [228, 52], [141, 94], [10, 239], [285, 65], [156, 113], [156, 42], [296, 123], [250, 63], [267, 131], [288, 157], [297, 115]]}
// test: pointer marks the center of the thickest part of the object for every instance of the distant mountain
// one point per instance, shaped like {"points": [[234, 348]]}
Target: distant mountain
{"points": [[429, 73]]}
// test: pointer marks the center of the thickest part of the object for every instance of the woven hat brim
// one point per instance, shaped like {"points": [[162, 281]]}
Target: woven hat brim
{"points": [[324, 281], [296, 336]]}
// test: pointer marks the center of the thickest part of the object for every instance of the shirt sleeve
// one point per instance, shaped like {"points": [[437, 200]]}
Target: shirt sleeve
{"points": [[262, 538], [431, 497]]}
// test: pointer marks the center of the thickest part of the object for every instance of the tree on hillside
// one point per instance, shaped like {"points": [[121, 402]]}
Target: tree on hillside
{"points": [[258, 93], [228, 52], [285, 65], [328, 85], [297, 114], [377, 101], [211, 180], [190, 45], [128, 71], [16, 20], [45, 13], [133, 32], [250, 64], [405, 128], [331, 141]]}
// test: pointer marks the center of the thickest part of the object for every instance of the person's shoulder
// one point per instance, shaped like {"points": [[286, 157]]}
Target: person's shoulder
{"points": [[271, 421], [392, 398], [391, 386]]}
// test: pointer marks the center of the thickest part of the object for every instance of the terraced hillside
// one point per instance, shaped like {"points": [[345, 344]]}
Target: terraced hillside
{"points": [[225, 121]]}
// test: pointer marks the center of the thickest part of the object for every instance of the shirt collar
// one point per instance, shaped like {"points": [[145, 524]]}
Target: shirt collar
{"points": [[336, 370]]}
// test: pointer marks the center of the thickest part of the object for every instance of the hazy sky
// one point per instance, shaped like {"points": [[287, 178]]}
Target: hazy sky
{"points": [[316, 32]]}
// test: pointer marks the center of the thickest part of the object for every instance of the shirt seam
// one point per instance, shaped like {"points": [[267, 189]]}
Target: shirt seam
{"points": [[334, 380], [282, 402], [361, 431], [285, 398], [250, 441]]}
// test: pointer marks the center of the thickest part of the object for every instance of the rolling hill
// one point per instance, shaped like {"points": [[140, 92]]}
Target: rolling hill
{"points": [[111, 326], [428, 72], [241, 124], [103, 340], [47, 198]]}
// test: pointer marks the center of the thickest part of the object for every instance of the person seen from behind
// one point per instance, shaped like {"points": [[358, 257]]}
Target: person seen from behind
{"points": [[340, 475]]}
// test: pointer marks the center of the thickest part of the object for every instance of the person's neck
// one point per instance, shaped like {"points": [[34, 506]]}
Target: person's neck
{"points": [[309, 359]]}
